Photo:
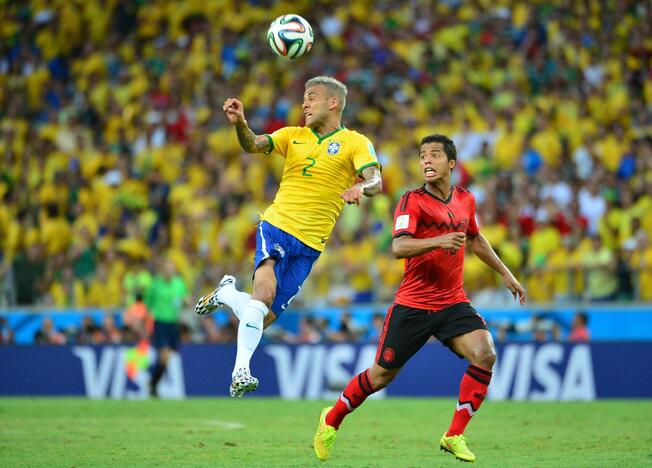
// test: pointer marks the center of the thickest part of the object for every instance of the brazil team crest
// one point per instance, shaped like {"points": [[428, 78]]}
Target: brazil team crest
{"points": [[334, 148]]}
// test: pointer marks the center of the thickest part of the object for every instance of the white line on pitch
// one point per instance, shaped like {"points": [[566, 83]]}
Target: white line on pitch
{"points": [[224, 424]]}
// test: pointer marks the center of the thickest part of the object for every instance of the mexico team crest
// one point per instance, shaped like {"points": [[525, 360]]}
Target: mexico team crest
{"points": [[334, 148], [388, 354]]}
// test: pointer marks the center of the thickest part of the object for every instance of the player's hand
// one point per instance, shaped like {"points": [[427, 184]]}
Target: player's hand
{"points": [[515, 287], [453, 241], [352, 195], [234, 110]]}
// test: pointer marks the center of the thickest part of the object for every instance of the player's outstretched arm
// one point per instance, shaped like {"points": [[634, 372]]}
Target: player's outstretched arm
{"points": [[372, 185], [249, 141], [407, 246], [481, 247]]}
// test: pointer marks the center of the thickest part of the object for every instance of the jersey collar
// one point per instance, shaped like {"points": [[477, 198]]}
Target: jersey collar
{"points": [[322, 138], [445, 202]]}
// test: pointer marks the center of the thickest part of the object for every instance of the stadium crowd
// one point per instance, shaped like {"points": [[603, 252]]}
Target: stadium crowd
{"points": [[115, 153]]}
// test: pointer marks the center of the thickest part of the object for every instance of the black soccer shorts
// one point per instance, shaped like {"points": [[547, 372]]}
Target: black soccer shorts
{"points": [[166, 335], [407, 329]]}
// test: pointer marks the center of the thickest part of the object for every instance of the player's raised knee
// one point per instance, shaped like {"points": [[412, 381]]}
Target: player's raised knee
{"points": [[264, 294]]}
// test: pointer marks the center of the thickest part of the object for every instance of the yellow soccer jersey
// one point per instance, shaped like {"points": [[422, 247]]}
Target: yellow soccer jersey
{"points": [[317, 171]]}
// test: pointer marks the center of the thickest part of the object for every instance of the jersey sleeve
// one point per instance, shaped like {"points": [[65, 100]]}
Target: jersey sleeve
{"points": [[473, 229], [280, 140], [364, 155], [406, 216]]}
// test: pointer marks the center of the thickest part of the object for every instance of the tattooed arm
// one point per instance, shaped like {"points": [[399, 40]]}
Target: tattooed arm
{"points": [[249, 141]]}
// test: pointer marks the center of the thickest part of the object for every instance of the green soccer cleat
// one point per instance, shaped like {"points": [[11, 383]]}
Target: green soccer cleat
{"points": [[324, 437], [457, 446]]}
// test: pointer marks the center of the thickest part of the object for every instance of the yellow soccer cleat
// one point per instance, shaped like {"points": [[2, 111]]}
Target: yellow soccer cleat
{"points": [[457, 446], [324, 437]]}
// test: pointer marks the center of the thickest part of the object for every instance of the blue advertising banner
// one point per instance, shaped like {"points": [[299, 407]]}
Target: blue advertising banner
{"points": [[523, 371]]}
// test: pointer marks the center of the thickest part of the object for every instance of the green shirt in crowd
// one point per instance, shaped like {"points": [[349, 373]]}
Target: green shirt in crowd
{"points": [[164, 298]]}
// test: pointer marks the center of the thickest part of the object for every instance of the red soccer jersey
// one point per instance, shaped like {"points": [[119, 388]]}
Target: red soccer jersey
{"points": [[434, 280]]}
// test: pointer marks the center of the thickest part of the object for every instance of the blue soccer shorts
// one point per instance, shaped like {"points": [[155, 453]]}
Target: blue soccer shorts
{"points": [[294, 260]]}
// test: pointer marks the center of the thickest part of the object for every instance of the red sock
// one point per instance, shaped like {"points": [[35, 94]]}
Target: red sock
{"points": [[357, 391], [473, 389]]}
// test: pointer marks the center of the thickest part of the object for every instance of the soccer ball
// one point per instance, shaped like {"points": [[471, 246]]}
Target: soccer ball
{"points": [[290, 36]]}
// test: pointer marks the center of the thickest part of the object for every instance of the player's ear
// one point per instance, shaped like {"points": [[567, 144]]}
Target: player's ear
{"points": [[452, 163], [333, 102]]}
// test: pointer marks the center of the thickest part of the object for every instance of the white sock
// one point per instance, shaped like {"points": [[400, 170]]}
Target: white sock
{"points": [[250, 331], [236, 300]]}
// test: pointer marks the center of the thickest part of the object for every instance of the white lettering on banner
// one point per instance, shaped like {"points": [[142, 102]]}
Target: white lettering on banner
{"points": [[172, 385], [313, 390], [105, 376], [317, 371], [291, 377], [546, 356], [503, 373], [522, 366], [579, 382], [96, 378], [522, 383], [336, 374]]}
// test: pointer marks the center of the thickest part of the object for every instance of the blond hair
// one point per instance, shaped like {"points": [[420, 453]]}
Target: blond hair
{"points": [[335, 87]]}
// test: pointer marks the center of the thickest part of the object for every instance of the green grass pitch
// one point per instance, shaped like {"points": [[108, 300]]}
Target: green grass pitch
{"points": [[270, 432]]}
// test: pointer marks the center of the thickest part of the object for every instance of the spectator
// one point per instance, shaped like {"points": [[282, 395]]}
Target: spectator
{"points": [[6, 333], [376, 328], [110, 333], [641, 261], [48, 335], [347, 329], [89, 332], [29, 275], [539, 327], [308, 332], [211, 331], [579, 328], [625, 291], [229, 331], [7, 291], [600, 271]]}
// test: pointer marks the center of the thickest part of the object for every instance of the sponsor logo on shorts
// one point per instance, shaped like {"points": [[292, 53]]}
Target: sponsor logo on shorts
{"points": [[388, 354], [279, 249]]}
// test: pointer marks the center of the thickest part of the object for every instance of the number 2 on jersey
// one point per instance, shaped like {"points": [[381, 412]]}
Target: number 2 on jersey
{"points": [[305, 169]]}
